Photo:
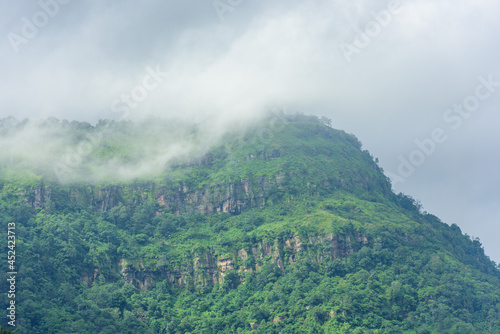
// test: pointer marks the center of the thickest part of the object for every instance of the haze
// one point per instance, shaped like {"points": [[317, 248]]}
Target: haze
{"points": [[390, 72]]}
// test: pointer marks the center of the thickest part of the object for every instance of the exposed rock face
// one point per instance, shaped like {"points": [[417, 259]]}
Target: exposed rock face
{"points": [[208, 269], [38, 196], [233, 197]]}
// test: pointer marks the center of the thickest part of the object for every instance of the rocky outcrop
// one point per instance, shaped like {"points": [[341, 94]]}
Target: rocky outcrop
{"points": [[209, 268], [37, 196], [232, 197], [225, 197]]}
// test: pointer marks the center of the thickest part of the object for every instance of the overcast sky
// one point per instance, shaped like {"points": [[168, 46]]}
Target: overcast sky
{"points": [[417, 81]]}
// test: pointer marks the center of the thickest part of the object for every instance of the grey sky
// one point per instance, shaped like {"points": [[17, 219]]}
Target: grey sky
{"points": [[419, 61]]}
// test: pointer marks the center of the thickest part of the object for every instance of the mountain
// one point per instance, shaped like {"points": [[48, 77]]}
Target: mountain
{"points": [[287, 227]]}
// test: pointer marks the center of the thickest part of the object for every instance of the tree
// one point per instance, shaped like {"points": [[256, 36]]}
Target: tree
{"points": [[118, 300], [326, 121]]}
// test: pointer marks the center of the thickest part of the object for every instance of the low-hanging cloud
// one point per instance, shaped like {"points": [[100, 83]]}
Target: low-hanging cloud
{"points": [[274, 54], [111, 151]]}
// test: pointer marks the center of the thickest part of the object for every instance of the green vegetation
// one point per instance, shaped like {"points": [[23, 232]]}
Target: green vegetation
{"points": [[296, 231]]}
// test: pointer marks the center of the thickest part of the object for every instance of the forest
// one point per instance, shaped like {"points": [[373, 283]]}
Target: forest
{"points": [[297, 231]]}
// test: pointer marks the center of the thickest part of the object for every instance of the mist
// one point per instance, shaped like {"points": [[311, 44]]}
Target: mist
{"points": [[110, 151], [386, 71]]}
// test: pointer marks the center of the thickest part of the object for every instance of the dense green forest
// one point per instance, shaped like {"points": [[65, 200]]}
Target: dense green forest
{"points": [[288, 227]]}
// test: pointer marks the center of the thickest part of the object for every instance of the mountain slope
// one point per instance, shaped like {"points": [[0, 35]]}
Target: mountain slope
{"points": [[289, 227]]}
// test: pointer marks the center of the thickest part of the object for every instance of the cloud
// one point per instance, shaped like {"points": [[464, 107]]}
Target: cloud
{"points": [[280, 53]]}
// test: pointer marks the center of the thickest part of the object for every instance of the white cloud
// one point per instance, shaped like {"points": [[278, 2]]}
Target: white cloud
{"points": [[282, 53]]}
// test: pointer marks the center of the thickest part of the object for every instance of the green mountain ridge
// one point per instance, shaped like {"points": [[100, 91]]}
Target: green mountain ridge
{"points": [[289, 227]]}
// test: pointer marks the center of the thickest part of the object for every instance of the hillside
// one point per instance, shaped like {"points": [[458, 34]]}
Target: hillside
{"points": [[289, 227]]}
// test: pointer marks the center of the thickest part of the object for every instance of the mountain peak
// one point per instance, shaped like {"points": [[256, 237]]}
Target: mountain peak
{"points": [[289, 218]]}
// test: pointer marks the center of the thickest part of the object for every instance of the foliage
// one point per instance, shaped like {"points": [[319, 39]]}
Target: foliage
{"points": [[329, 249]]}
